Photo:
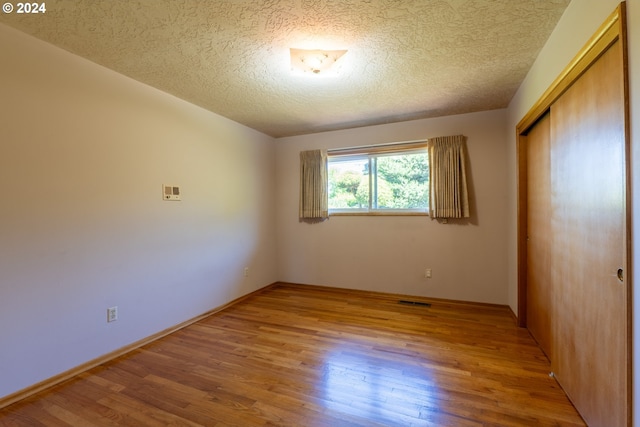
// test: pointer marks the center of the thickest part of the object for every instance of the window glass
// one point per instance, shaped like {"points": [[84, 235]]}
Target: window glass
{"points": [[402, 181], [390, 182], [349, 183]]}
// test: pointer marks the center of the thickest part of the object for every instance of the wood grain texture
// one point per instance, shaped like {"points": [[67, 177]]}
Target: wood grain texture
{"points": [[539, 236], [49, 382], [522, 227], [310, 356], [588, 225], [612, 30]]}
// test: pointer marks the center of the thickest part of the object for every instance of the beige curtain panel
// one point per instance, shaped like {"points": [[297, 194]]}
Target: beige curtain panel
{"points": [[314, 198], [448, 197]]}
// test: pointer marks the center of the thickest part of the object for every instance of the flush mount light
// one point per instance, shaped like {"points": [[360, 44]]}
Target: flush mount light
{"points": [[324, 62]]}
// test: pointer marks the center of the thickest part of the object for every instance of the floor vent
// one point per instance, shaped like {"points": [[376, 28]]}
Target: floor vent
{"points": [[407, 302]]}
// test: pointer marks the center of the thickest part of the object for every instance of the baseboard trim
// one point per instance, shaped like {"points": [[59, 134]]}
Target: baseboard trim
{"points": [[67, 375], [515, 317], [64, 376], [388, 295]]}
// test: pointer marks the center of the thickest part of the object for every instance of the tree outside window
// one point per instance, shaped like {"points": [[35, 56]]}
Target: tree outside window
{"points": [[391, 182]]}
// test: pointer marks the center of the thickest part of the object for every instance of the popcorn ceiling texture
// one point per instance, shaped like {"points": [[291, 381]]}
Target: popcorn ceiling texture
{"points": [[407, 59]]}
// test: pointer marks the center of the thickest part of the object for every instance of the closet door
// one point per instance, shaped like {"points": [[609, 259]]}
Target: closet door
{"points": [[539, 289], [588, 225]]}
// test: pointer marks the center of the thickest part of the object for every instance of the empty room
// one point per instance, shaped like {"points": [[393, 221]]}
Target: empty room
{"points": [[319, 213]]}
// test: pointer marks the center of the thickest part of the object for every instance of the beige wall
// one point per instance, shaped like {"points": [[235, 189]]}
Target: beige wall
{"points": [[390, 254], [581, 19], [83, 154]]}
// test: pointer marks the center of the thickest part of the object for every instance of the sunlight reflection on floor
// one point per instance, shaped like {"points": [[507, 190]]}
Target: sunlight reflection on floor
{"points": [[366, 385]]}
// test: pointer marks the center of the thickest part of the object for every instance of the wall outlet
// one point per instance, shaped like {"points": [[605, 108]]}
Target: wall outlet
{"points": [[427, 273], [246, 272], [112, 314]]}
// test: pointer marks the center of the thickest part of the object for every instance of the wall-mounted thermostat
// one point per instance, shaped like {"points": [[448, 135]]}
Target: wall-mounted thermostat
{"points": [[170, 192]]}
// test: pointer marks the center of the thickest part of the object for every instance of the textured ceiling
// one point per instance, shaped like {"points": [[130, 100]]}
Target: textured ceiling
{"points": [[407, 59]]}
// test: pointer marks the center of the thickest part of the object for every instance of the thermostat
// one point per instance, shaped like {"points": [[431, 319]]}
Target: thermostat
{"points": [[170, 192]]}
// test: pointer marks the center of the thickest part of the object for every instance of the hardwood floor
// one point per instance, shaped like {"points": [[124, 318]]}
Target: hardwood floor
{"points": [[309, 356]]}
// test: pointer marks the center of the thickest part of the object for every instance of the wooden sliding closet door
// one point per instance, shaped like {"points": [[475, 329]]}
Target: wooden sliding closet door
{"points": [[588, 226], [539, 289]]}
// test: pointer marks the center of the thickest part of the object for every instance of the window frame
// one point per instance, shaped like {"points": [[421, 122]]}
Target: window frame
{"points": [[373, 152]]}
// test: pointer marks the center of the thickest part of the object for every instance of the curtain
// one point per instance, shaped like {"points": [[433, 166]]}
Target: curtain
{"points": [[314, 199], [448, 197]]}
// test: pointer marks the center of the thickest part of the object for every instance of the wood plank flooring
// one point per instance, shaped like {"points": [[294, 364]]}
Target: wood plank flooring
{"points": [[309, 356]]}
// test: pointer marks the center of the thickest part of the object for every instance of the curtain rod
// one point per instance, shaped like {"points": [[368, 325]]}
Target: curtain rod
{"points": [[388, 144]]}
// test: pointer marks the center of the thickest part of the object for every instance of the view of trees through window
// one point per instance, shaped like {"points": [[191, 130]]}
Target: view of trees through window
{"points": [[398, 181]]}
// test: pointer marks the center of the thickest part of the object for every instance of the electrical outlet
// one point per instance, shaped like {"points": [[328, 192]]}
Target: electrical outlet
{"points": [[427, 273], [112, 314], [246, 272]]}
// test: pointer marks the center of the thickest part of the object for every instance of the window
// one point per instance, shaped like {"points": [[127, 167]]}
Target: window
{"points": [[383, 180]]}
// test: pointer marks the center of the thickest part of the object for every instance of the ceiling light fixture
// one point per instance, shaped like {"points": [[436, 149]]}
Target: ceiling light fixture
{"points": [[324, 62]]}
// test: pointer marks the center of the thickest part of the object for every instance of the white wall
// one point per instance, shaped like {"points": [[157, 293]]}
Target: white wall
{"points": [[390, 254], [83, 154], [579, 22]]}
